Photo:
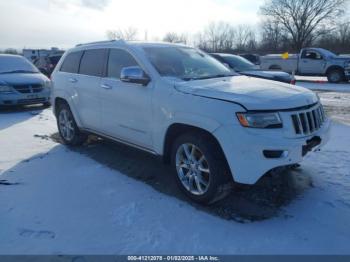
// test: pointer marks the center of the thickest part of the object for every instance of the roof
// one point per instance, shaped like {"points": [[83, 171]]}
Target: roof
{"points": [[223, 54], [132, 43], [10, 55]]}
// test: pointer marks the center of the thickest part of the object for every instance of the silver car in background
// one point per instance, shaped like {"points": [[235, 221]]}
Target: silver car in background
{"points": [[21, 83]]}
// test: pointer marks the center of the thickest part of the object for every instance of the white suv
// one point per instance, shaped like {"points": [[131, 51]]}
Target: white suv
{"points": [[212, 125]]}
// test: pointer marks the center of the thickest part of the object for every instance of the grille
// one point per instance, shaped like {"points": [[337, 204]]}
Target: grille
{"points": [[27, 89], [308, 122]]}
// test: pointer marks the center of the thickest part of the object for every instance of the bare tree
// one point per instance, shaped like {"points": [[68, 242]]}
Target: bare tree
{"points": [[217, 36], [273, 37], [344, 33], [127, 34], [245, 38], [11, 51], [304, 20], [172, 37]]}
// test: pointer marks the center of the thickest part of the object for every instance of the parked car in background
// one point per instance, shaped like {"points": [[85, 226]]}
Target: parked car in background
{"points": [[46, 64], [311, 62], [21, 83], [253, 58], [245, 67], [213, 125]]}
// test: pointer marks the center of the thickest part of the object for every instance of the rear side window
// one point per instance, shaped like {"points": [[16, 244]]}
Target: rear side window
{"points": [[93, 62], [117, 60], [71, 62]]}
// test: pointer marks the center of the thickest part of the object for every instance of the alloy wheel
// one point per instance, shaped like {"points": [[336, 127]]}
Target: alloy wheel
{"points": [[192, 169], [66, 125], [335, 77]]}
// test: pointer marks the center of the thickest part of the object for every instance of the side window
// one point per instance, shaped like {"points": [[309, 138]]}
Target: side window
{"points": [[117, 60], [312, 55], [71, 62], [93, 62]]}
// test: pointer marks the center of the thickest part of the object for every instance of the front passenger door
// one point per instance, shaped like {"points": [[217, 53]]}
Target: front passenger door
{"points": [[126, 107]]}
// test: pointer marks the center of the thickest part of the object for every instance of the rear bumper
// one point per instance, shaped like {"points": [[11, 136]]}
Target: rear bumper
{"points": [[14, 99], [244, 149]]}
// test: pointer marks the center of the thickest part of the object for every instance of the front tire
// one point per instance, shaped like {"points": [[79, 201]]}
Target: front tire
{"points": [[67, 127], [200, 167], [335, 76]]}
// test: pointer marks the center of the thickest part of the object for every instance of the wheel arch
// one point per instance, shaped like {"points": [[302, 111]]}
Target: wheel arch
{"points": [[177, 129], [61, 99], [57, 101], [334, 67]]}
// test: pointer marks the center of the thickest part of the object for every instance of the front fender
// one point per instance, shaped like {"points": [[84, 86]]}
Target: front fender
{"points": [[194, 120]]}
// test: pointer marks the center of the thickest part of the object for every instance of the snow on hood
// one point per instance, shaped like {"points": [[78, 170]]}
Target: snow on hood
{"points": [[252, 93], [22, 78]]}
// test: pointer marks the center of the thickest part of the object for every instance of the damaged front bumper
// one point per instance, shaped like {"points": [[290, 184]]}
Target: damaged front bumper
{"points": [[251, 153]]}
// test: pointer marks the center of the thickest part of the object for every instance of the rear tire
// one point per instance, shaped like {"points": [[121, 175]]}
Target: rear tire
{"points": [[200, 168], [67, 127], [335, 76]]}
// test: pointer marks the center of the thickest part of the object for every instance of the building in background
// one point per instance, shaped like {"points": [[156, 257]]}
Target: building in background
{"points": [[33, 54], [44, 59]]}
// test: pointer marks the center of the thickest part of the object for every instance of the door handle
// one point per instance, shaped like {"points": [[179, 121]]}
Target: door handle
{"points": [[73, 80], [106, 86]]}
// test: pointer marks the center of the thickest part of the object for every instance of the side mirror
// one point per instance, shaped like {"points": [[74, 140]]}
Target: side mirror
{"points": [[134, 74]]}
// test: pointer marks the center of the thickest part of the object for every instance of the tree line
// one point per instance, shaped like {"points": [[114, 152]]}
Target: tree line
{"points": [[286, 25]]}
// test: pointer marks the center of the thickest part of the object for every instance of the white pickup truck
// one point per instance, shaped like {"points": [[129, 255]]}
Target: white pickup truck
{"points": [[313, 62]]}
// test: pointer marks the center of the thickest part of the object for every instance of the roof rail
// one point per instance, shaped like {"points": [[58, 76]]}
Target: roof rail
{"points": [[102, 42]]}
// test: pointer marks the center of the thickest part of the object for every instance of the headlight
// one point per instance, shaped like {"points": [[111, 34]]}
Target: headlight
{"points": [[260, 120], [6, 89]]}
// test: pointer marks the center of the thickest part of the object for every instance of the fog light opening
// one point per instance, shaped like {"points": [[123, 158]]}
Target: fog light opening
{"points": [[275, 153]]}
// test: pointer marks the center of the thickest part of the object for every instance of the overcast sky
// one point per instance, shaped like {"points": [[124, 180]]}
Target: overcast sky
{"points": [[63, 23]]}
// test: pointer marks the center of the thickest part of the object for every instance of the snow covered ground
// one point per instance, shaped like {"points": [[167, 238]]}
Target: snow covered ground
{"points": [[54, 200], [342, 87], [311, 78]]}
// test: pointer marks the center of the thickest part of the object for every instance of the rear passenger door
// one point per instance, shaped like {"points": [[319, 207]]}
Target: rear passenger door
{"points": [[88, 88], [126, 107]]}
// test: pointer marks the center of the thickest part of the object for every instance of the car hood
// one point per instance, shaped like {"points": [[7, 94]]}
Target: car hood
{"points": [[267, 74], [252, 93], [341, 58], [20, 78]]}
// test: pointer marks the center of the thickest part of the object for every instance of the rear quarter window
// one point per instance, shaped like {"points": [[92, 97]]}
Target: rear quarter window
{"points": [[71, 62]]}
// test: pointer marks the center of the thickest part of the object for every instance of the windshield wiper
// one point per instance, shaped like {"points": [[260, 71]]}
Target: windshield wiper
{"points": [[207, 77], [19, 71]]}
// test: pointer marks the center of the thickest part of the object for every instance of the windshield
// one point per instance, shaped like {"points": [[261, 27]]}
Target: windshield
{"points": [[16, 64], [238, 63], [185, 63]]}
